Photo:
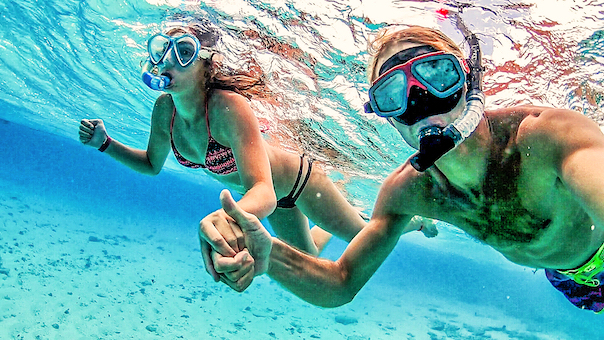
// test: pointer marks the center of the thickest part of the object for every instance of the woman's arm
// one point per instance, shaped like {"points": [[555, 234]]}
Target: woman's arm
{"points": [[150, 161], [234, 122]]}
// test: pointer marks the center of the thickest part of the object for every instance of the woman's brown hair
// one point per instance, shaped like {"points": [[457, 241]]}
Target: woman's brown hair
{"points": [[221, 76]]}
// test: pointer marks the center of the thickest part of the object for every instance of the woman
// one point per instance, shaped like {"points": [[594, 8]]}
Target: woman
{"points": [[204, 117]]}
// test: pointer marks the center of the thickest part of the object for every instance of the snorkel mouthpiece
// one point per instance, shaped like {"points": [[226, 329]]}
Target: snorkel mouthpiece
{"points": [[157, 83], [432, 145], [434, 142]]}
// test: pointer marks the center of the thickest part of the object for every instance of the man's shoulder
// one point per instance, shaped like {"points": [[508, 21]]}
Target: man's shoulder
{"points": [[532, 123], [515, 113], [552, 134], [400, 196], [553, 125], [405, 186]]}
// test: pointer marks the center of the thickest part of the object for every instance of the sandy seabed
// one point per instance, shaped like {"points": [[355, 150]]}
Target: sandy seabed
{"points": [[71, 273]]}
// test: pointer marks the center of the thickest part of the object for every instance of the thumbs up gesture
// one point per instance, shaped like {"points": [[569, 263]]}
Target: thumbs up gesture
{"points": [[238, 271]]}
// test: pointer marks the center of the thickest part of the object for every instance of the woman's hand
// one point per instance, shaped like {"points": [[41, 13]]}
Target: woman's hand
{"points": [[236, 272], [426, 225], [219, 232], [92, 132], [234, 244]]}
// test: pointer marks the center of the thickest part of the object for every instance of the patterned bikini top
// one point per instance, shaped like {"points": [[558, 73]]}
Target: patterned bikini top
{"points": [[219, 158]]}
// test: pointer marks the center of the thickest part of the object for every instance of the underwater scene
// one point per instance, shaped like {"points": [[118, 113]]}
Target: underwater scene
{"points": [[90, 249]]}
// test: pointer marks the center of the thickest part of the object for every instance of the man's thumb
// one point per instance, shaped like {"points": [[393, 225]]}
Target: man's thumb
{"points": [[232, 209]]}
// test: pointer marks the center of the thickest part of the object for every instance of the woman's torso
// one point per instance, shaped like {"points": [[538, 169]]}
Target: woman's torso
{"points": [[199, 143]]}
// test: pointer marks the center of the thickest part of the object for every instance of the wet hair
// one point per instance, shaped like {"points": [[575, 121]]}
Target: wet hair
{"points": [[207, 36], [221, 76], [413, 34]]}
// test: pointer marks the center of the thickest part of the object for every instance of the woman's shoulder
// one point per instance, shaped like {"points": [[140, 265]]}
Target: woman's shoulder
{"points": [[227, 104], [162, 110], [229, 111], [223, 96], [164, 102]]}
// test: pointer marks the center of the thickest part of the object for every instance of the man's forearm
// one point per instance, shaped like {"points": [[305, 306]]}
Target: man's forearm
{"points": [[318, 281]]}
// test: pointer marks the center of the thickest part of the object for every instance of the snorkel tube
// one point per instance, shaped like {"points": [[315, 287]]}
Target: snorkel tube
{"points": [[434, 141], [151, 79]]}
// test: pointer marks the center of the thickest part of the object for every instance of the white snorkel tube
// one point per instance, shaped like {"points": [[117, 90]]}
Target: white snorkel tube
{"points": [[435, 141]]}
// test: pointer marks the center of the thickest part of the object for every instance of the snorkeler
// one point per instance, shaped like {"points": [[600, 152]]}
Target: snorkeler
{"points": [[205, 119], [524, 180]]}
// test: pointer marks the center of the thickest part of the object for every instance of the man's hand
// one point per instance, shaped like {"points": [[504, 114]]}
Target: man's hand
{"points": [[238, 271]]}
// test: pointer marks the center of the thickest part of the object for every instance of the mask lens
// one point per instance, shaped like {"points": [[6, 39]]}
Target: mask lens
{"points": [[158, 46], [441, 74], [186, 48], [391, 94]]}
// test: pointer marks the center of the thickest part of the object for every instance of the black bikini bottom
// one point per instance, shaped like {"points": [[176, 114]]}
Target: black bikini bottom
{"points": [[289, 201]]}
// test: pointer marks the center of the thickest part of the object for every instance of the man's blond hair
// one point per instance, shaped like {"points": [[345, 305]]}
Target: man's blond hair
{"points": [[413, 34]]}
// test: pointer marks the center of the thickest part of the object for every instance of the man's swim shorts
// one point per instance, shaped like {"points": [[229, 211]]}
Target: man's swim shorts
{"points": [[583, 286]]}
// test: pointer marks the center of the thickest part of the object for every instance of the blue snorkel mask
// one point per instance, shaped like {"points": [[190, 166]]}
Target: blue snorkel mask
{"points": [[186, 49]]}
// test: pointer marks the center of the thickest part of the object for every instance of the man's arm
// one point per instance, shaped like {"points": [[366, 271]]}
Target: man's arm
{"points": [[581, 158], [319, 281], [330, 284], [573, 145]]}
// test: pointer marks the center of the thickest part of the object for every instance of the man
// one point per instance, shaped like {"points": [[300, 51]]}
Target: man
{"points": [[525, 180]]}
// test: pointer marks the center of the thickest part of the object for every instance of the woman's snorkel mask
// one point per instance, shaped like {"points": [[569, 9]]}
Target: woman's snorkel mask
{"points": [[185, 49], [431, 84]]}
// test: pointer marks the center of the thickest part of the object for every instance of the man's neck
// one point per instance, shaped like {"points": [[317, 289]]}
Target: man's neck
{"points": [[465, 166]]}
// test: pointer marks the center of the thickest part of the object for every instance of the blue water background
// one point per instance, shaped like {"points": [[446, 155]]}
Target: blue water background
{"points": [[61, 61], [66, 173]]}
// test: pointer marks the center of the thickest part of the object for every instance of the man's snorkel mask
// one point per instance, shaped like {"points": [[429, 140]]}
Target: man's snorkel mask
{"points": [[435, 141]]}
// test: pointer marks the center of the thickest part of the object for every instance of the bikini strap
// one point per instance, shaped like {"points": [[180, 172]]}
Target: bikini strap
{"points": [[308, 171], [172, 121], [207, 99], [291, 194]]}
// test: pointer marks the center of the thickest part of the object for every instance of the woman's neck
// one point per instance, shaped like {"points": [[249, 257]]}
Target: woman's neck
{"points": [[190, 103]]}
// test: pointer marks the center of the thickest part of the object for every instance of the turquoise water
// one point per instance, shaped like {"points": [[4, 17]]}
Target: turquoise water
{"points": [[89, 249]]}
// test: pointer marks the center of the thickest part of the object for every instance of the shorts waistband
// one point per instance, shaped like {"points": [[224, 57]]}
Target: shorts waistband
{"points": [[585, 274]]}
